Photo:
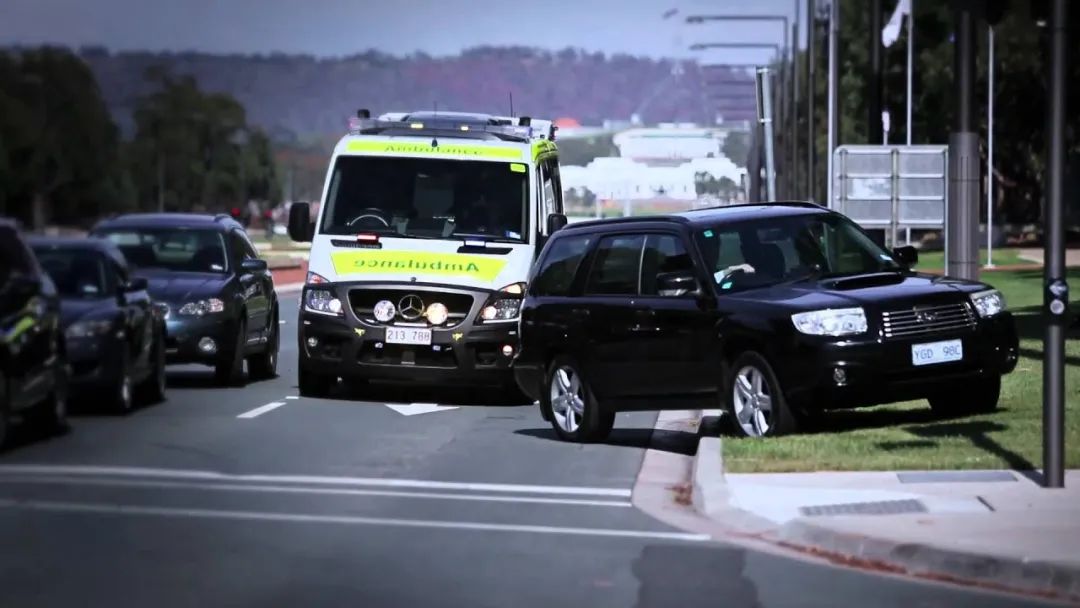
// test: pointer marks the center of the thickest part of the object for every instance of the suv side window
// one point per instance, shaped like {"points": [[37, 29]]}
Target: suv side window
{"points": [[241, 249], [616, 269], [555, 273], [14, 258], [664, 253]]}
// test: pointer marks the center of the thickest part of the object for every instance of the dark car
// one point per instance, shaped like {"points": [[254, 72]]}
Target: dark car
{"points": [[779, 310], [33, 366], [221, 308], [115, 333]]}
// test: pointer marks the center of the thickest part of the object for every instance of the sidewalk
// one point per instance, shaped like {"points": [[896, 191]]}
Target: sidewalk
{"points": [[994, 529]]}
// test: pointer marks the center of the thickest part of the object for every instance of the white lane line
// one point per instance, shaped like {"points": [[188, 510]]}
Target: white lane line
{"points": [[125, 483], [41, 469], [112, 509], [262, 409], [291, 397]]}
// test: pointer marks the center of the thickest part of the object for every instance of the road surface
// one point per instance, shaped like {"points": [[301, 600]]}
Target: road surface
{"points": [[255, 497]]}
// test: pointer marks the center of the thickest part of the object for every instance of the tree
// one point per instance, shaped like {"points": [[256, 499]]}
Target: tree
{"points": [[736, 147], [61, 149], [195, 150]]}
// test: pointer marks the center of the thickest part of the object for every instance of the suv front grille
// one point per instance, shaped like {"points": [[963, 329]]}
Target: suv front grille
{"points": [[921, 321], [363, 304]]}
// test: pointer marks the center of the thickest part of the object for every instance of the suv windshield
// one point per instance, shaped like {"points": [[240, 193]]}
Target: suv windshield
{"points": [[77, 273], [760, 253], [178, 249], [427, 198]]}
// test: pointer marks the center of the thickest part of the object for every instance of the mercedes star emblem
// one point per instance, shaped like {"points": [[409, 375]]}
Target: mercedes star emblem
{"points": [[411, 307]]}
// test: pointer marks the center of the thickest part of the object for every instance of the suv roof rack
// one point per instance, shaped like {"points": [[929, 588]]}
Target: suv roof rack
{"points": [[456, 125]]}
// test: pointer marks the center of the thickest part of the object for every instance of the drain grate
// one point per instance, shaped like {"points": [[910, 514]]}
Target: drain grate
{"points": [[881, 507]]}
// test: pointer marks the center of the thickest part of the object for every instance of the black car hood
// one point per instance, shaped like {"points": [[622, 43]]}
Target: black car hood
{"points": [[74, 309], [871, 291], [182, 287]]}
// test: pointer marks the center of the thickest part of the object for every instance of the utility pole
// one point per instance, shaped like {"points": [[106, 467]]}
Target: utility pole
{"points": [[811, 95], [1056, 296], [873, 82], [962, 216], [834, 111]]}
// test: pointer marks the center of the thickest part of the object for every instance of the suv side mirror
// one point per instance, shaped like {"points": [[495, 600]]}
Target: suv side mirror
{"points": [[677, 283], [555, 222], [254, 265], [907, 255], [300, 227]]}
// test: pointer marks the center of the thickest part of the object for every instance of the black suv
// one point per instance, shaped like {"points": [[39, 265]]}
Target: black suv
{"points": [[778, 309], [219, 299], [33, 366]]}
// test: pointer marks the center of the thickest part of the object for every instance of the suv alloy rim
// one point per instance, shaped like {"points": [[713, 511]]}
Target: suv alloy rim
{"points": [[753, 405], [567, 398]]}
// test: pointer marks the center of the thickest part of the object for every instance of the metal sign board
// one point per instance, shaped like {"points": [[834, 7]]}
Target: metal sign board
{"points": [[892, 187]]}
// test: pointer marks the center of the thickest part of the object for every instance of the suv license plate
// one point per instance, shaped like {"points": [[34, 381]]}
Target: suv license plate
{"points": [[408, 335], [937, 352]]}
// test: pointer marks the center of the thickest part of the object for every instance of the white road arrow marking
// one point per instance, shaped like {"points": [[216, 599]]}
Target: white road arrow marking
{"points": [[413, 409]]}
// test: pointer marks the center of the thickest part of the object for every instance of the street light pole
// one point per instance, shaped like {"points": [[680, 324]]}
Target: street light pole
{"points": [[834, 111], [1056, 296], [964, 164], [811, 95]]}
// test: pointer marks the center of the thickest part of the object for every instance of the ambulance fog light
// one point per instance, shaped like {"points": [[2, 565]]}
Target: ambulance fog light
{"points": [[507, 350], [384, 311], [839, 376], [312, 342], [207, 346], [437, 314]]}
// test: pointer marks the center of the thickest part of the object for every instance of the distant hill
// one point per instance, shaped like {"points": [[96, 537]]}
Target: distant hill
{"points": [[303, 97]]}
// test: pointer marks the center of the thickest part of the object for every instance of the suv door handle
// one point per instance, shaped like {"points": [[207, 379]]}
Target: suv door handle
{"points": [[581, 312]]}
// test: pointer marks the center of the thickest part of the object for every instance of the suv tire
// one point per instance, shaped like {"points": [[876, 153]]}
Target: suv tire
{"points": [[263, 366], [570, 405], [754, 400], [229, 370]]}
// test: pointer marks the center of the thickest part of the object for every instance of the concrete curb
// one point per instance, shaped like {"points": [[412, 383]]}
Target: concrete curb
{"points": [[1057, 581], [712, 499]]}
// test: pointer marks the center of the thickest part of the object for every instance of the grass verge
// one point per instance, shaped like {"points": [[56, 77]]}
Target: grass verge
{"points": [[910, 436]]}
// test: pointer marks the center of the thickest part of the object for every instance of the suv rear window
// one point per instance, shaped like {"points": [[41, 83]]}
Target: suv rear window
{"points": [[557, 269]]}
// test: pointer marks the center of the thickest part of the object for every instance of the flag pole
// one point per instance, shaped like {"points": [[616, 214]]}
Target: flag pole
{"points": [[910, 63]]}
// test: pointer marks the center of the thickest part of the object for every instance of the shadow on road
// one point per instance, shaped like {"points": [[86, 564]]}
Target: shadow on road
{"points": [[676, 442], [681, 575]]}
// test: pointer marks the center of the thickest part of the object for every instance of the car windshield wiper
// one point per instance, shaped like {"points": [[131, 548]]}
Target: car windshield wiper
{"points": [[483, 237], [812, 274]]}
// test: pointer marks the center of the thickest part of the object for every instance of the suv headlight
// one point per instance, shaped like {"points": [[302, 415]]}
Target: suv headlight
{"points": [[323, 302], [988, 303], [88, 329], [833, 322], [199, 308], [504, 305]]}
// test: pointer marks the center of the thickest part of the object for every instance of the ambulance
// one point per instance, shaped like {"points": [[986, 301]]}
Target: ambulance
{"points": [[420, 248]]}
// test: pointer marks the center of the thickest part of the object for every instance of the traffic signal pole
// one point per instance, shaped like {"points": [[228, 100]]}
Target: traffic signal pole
{"points": [[1056, 295]]}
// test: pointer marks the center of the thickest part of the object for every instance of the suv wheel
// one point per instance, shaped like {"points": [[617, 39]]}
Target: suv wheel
{"points": [[263, 366], [574, 412], [313, 384], [756, 403], [982, 398], [229, 370]]}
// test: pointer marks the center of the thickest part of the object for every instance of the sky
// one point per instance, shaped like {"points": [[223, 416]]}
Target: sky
{"points": [[332, 28]]}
